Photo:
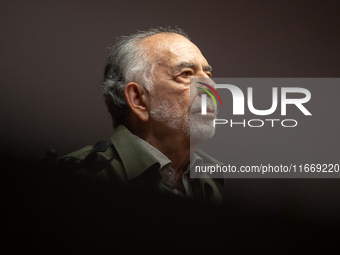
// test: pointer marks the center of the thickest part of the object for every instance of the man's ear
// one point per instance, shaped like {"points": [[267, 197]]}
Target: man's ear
{"points": [[137, 100]]}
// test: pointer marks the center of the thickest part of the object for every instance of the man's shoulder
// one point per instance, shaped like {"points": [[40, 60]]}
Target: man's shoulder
{"points": [[80, 154], [102, 149], [90, 162], [122, 154]]}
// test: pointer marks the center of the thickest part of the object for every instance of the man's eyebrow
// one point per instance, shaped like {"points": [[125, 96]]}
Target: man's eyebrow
{"points": [[207, 68], [182, 65]]}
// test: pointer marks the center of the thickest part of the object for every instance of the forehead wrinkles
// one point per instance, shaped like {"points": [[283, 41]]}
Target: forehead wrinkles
{"points": [[183, 48], [157, 43], [165, 50], [186, 51]]}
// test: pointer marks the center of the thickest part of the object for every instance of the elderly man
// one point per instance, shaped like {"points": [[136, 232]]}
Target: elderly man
{"points": [[156, 116]]}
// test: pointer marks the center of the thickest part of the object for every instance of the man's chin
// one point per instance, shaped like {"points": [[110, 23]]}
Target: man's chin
{"points": [[202, 131]]}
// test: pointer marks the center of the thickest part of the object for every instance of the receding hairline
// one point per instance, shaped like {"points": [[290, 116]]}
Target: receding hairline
{"points": [[149, 43], [156, 50], [153, 46], [162, 34]]}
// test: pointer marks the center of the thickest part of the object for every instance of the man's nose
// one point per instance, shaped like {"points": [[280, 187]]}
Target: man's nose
{"points": [[199, 86], [200, 91], [202, 82], [203, 75]]}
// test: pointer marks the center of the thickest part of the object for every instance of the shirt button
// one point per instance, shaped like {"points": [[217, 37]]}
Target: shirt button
{"points": [[168, 173], [175, 191]]}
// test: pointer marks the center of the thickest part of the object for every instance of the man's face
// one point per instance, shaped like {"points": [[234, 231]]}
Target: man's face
{"points": [[170, 104]]}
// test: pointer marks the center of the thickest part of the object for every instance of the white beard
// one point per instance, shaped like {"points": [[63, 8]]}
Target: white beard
{"points": [[196, 126], [202, 126]]}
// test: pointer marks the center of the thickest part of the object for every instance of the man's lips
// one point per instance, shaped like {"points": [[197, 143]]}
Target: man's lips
{"points": [[198, 110]]}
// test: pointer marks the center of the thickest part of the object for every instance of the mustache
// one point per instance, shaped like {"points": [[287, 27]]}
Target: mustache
{"points": [[197, 105]]}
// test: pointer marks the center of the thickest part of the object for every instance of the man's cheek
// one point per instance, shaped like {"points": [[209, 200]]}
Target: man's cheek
{"points": [[185, 90], [182, 96]]}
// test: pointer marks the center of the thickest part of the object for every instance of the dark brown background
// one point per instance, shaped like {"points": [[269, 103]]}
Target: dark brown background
{"points": [[52, 55]]}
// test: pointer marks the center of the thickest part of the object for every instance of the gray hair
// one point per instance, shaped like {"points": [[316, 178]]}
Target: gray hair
{"points": [[128, 62]]}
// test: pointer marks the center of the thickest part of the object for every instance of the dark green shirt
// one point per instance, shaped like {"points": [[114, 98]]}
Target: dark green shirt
{"points": [[133, 165]]}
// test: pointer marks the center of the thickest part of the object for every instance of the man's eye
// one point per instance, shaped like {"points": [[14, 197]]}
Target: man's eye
{"points": [[187, 73]]}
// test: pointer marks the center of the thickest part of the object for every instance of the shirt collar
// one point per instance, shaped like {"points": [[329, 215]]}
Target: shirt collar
{"points": [[137, 155], [163, 160], [135, 159]]}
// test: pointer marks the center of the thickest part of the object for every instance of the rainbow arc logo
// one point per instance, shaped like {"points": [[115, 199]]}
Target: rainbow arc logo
{"points": [[211, 95]]}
